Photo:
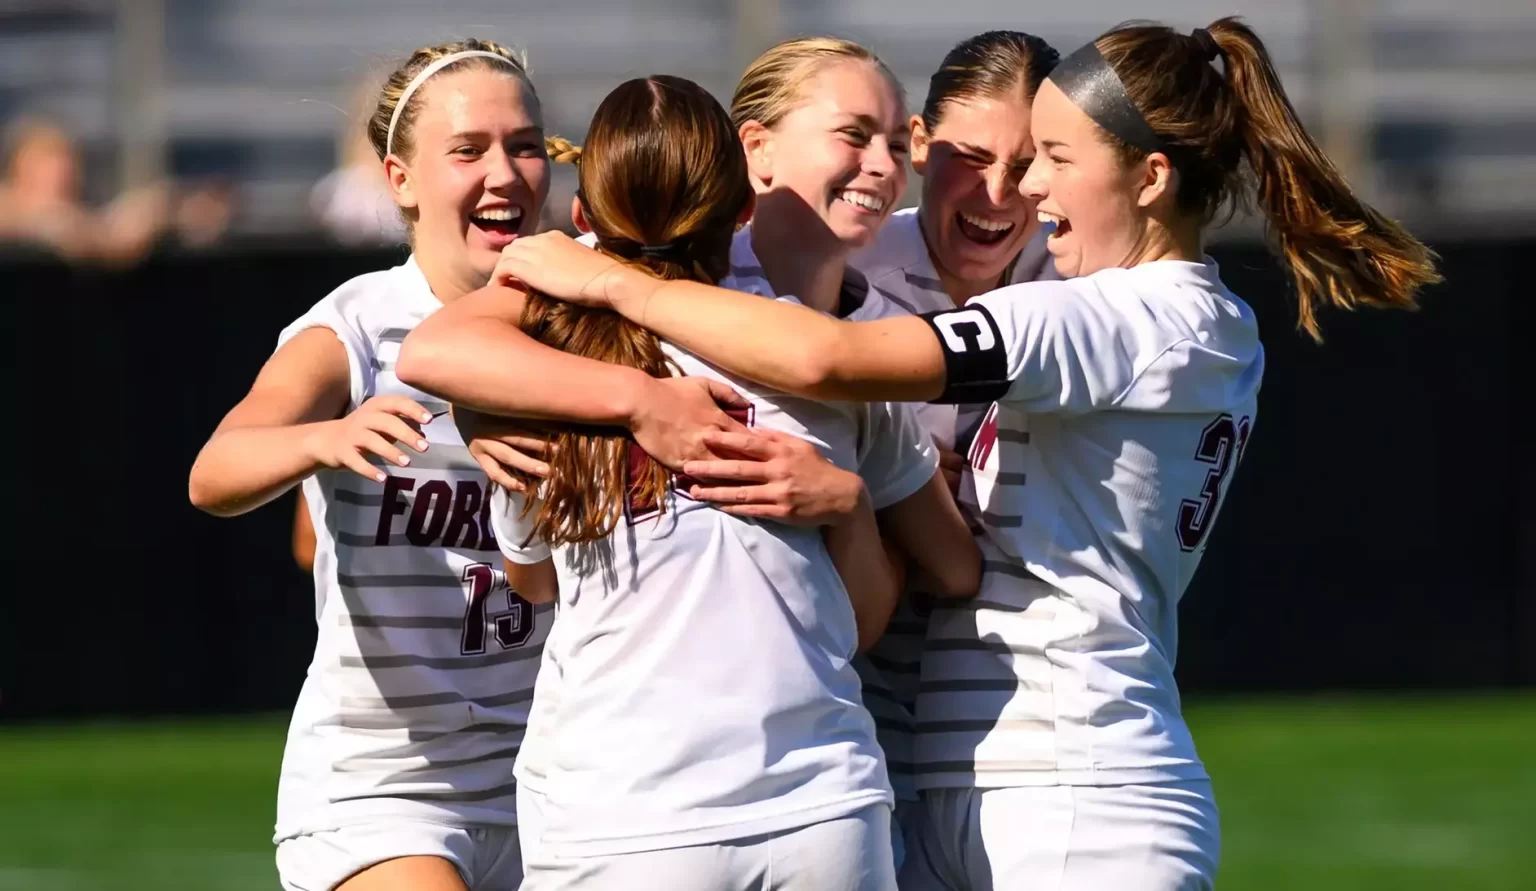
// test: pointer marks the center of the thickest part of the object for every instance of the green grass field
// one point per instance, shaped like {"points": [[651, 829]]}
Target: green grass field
{"points": [[1315, 794]]}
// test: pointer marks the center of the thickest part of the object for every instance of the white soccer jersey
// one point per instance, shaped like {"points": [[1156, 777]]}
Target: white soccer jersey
{"points": [[1124, 401], [899, 270], [698, 687], [416, 700]]}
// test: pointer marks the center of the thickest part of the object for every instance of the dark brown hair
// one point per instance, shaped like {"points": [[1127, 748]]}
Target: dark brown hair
{"points": [[663, 169], [991, 65], [1225, 128]]}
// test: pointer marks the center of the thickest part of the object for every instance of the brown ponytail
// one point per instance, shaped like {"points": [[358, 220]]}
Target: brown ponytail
{"points": [[1339, 250], [663, 180]]}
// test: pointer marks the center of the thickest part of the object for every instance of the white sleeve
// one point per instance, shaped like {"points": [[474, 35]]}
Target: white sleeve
{"points": [[512, 528], [332, 314], [1050, 347], [896, 456]]}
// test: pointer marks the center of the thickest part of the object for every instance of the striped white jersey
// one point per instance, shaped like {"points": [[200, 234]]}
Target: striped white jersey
{"points": [[900, 272], [1124, 400], [698, 687], [415, 703]]}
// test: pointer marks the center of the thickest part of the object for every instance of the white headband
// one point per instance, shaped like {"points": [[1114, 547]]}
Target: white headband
{"points": [[421, 77]]}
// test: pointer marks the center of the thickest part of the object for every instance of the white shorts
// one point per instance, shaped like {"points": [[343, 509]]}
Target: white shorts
{"points": [[848, 854], [1163, 837], [486, 857]]}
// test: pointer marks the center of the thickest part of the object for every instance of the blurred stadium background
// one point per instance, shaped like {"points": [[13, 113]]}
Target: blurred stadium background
{"points": [[1359, 651]]}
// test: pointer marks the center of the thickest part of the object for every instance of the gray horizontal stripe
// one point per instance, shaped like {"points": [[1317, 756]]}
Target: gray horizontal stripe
{"points": [[399, 581], [901, 767], [430, 699], [446, 622], [1018, 437], [987, 725], [974, 645], [748, 272], [438, 456], [448, 663], [1010, 569], [885, 695], [1001, 521], [400, 540], [386, 721], [971, 767], [381, 761], [893, 725], [978, 686], [924, 282], [899, 301], [380, 365], [979, 606], [1010, 478], [362, 499], [891, 665], [456, 795], [393, 335]]}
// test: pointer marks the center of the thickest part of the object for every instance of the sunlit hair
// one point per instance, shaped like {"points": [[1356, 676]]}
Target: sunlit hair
{"points": [[993, 65], [1234, 133], [771, 86], [662, 169]]}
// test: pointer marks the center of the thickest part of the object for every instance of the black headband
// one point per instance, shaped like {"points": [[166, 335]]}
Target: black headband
{"points": [[673, 251], [1093, 86]]}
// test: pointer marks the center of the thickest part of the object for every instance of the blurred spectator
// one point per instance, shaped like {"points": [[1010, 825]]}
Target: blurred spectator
{"points": [[41, 204], [353, 202]]}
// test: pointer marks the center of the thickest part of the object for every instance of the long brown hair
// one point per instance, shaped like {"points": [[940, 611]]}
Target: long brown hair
{"points": [[663, 181], [1338, 249]]}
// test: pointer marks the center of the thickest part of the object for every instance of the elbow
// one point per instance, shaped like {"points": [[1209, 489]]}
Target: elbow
{"points": [[206, 499], [418, 361], [960, 578]]}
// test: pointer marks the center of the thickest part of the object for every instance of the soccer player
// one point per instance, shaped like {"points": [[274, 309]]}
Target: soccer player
{"points": [[1051, 748], [397, 770]]}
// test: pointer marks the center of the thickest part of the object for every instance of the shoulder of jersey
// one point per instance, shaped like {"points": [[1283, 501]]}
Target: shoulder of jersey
{"points": [[368, 289], [898, 247]]}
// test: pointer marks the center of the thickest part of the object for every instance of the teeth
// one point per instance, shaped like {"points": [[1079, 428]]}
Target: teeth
{"points": [[499, 214], [1050, 218], [985, 224], [860, 199]]}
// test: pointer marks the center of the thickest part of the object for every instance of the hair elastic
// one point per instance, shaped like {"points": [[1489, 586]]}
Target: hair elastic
{"points": [[1208, 44], [421, 78]]}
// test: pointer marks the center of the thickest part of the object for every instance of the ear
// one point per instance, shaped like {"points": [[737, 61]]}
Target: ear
{"points": [[757, 142], [745, 216], [1158, 179], [579, 216], [399, 179], [921, 140]]}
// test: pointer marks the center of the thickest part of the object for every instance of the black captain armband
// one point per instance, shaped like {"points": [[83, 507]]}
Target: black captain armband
{"points": [[975, 357]]}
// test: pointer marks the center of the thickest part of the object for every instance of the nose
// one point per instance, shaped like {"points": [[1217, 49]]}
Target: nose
{"points": [[879, 160], [999, 180], [500, 172], [1036, 182]]}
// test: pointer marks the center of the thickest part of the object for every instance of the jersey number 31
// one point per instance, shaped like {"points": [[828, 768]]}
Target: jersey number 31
{"points": [[1221, 444]]}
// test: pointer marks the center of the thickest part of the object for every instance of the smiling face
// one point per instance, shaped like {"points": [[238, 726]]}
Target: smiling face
{"points": [[476, 174], [1097, 203], [842, 150], [975, 216]]}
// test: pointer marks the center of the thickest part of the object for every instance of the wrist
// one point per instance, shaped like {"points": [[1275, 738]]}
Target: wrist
{"points": [[854, 502], [311, 442], [629, 291], [632, 398]]}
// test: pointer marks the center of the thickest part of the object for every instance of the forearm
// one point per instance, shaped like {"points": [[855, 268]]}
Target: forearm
{"points": [[787, 346], [863, 563], [488, 364], [241, 469], [929, 529]]}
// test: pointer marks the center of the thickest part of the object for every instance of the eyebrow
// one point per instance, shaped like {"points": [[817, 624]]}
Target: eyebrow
{"points": [[978, 151], [866, 121], [1053, 143], [481, 134]]}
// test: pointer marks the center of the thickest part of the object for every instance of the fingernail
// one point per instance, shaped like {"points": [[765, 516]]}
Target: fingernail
{"points": [[426, 417], [379, 477], [543, 469], [421, 444], [403, 460]]}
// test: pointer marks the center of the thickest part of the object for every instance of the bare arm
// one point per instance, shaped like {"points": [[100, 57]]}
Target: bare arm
{"points": [[930, 530], [472, 354], [289, 425], [865, 566], [534, 582], [788, 347]]}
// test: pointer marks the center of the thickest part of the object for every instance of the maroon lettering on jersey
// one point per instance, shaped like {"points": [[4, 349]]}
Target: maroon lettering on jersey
{"points": [[429, 513], [393, 505], [985, 441], [463, 521]]}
